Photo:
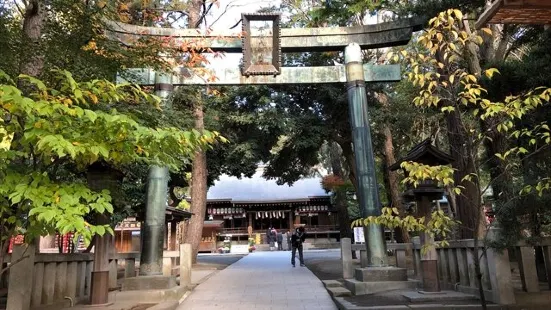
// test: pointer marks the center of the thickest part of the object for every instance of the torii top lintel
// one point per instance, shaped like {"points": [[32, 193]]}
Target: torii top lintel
{"points": [[324, 39]]}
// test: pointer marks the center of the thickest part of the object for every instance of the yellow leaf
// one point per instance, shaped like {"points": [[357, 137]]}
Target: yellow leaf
{"points": [[452, 78], [94, 98], [488, 31], [458, 13]]}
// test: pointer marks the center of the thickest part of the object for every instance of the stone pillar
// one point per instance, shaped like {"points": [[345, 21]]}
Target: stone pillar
{"points": [[346, 258], [368, 191], [21, 280], [528, 273], [429, 256], [547, 261], [153, 228], [499, 269], [185, 264], [129, 268]]}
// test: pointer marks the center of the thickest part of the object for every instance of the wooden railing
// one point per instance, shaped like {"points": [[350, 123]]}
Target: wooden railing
{"points": [[54, 279], [456, 266]]}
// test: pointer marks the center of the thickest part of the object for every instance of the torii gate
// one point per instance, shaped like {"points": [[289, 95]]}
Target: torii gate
{"points": [[350, 39]]}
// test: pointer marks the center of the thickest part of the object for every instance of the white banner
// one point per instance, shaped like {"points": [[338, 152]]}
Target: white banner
{"points": [[359, 235]]}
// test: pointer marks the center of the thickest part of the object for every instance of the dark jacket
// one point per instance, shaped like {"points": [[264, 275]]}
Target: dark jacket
{"points": [[279, 237], [298, 238]]}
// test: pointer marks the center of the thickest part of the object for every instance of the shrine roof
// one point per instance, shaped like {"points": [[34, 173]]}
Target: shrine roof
{"points": [[516, 12], [178, 213], [257, 189], [424, 153]]}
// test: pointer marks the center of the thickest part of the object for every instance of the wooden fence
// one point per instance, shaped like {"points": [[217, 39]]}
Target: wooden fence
{"points": [[56, 278], [456, 268]]}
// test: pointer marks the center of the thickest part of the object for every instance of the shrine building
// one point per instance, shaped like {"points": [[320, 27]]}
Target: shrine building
{"points": [[260, 203]]}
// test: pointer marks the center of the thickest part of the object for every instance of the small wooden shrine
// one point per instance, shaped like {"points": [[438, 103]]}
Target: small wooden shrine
{"points": [[127, 233], [534, 12], [424, 195], [427, 154]]}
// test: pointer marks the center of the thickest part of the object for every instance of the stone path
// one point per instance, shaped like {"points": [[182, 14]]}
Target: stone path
{"points": [[261, 280]]}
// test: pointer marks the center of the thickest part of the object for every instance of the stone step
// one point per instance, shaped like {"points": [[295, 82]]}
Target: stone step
{"points": [[373, 274], [366, 288], [442, 296], [339, 292], [331, 283]]}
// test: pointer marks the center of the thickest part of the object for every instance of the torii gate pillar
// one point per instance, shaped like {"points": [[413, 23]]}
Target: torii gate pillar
{"points": [[368, 192]]}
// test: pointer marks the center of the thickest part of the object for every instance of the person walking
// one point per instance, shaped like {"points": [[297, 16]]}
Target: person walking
{"points": [[273, 240], [288, 235], [296, 240], [279, 241]]}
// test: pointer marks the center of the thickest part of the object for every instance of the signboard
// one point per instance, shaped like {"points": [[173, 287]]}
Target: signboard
{"points": [[261, 45], [359, 235]]}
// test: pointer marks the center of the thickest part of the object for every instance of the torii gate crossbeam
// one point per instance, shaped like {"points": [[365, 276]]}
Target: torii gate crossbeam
{"points": [[394, 33]]}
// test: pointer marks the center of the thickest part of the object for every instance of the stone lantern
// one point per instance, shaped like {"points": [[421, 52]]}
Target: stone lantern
{"points": [[423, 195]]}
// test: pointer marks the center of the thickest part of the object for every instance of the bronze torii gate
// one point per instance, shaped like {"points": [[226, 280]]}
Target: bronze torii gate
{"points": [[350, 39]]}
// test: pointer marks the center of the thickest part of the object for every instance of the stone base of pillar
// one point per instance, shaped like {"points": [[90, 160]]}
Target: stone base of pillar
{"points": [[376, 274], [149, 283], [99, 289], [431, 283]]}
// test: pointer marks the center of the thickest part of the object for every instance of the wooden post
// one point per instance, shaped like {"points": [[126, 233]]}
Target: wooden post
{"points": [[21, 280], [100, 274], [185, 264], [429, 259]]}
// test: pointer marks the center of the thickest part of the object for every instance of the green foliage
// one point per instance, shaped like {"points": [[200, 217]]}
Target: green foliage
{"points": [[417, 173], [74, 124], [438, 225]]}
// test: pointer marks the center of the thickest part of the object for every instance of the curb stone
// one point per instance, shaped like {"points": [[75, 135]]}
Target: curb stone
{"points": [[167, 305], [343, 304]]}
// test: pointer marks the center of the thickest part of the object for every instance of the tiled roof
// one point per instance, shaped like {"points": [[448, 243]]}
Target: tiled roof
{"points": [[258, 188]]}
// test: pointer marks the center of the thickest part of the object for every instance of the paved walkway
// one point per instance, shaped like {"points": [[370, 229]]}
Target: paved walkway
{"points": [[261, 280]]}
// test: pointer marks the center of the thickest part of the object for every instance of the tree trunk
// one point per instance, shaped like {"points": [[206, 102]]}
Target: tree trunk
{"points": [[392, 176], [198, 207], [32, 59], [340, 195], [462, 151], [348, 154]]}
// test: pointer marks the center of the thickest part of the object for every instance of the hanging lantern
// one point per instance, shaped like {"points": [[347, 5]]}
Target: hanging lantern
{"points": [[283, 215]]}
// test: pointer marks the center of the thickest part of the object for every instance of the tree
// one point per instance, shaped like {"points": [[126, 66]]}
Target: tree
{"points": [[70, 124], [446, 84]]}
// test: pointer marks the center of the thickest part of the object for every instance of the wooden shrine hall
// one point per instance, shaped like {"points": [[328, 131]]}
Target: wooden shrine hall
{"points": [[261, 204]]}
